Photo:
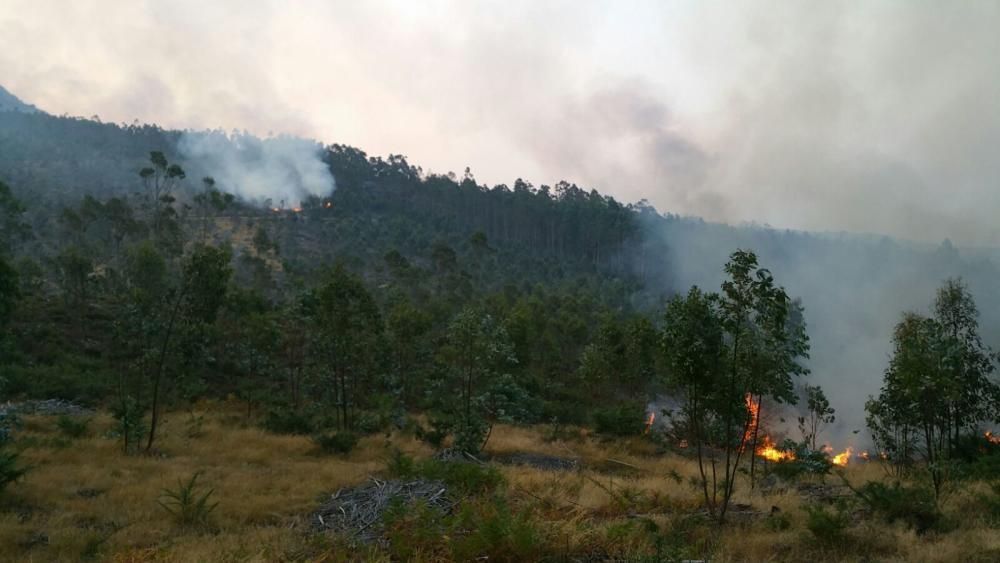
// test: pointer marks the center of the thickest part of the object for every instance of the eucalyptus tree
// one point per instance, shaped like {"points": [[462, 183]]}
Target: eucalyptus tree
{"points": [[745, 345]]}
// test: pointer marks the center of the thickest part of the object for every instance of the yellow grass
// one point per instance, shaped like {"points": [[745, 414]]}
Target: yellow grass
{"points": [[88, 498]]}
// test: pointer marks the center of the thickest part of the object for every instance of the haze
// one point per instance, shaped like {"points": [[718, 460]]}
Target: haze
{"points": [[872, 117]]}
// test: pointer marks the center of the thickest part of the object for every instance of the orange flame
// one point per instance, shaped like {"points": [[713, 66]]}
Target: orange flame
{"points": [[328, 205], [766, 448], [297, 209], [991, 438], [842, 458], [649, 423], [768, 451], [753, 407]]}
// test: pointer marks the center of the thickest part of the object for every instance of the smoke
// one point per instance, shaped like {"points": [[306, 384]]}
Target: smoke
{"points": [[854, 290], [282, 169]]}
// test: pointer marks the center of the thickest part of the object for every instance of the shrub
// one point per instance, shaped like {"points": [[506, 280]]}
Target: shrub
{"points": [[337, 442], [129, 424], [913, 505], [463, 477], [496, 533], [186, 504], [807, 461], [441, 427], [777, 522], [288, 421], [621, 420], [827, 526], [10, 468], [73, 427], [415, 532]]}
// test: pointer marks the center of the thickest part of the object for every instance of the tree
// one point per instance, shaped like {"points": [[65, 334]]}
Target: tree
{"points": [[159, 181], [694, 354], [477, 353], [13, 230], [937, 384], [819, 414], [348, 340], [162, 310], [757, 357], [407, 329], [971, 396]]}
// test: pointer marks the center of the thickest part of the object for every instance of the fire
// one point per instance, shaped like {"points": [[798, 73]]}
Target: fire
{"points": [[275, 209], [864, 455], [991, 438], [328, 205], [766, 448], [753, 407], [297, 209], [842, 458], [768, 451], [649, 423]]}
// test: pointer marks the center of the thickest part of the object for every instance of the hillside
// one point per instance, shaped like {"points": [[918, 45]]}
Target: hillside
{"points": [[10, 102]]}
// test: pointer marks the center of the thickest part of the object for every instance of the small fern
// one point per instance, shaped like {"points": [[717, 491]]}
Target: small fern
{"points": [[186, 504]]}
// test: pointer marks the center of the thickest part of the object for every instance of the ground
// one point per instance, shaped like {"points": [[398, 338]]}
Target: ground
{"points": [[82, 498]]}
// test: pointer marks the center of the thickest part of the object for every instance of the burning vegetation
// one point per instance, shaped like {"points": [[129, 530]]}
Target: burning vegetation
{"points": [[767, 448]]}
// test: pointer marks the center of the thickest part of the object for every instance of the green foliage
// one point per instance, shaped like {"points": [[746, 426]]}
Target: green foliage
{"points": [[497, 533], [819, 414], [828, 526], [189, 506], [341, 442], [129, 423], [348, 340], [73, 427], [415, 531], [625, 419], [283, 420], [478, 352], [10, 467], [466, 478], [807, 461], [777, 522], [914, 505], [937, 387]]}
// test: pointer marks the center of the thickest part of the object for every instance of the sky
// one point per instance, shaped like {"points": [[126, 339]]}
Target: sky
{"points": [[878, 117]]}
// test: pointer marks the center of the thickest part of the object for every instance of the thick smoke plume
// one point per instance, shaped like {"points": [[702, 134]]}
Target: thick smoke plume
{"points": [[282, 169]]}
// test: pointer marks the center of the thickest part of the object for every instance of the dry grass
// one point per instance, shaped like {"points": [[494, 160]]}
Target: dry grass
{"points": [[87, 499]]}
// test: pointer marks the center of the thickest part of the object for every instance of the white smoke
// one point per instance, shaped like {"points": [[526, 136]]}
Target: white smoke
{"points": [[282, 169]]}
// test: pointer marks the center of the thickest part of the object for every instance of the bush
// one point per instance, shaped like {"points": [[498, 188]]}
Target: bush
{"points": [[827, 526], [463, 477], [621, 420], [913, 505], [188, 506], [10, 469], [496, 533], [778, 522], [288, 421], [73, 427], [337, 442], [129, 423]]}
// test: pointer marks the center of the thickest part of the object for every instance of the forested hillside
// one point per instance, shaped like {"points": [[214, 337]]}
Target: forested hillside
{"points": [[291, 317]]}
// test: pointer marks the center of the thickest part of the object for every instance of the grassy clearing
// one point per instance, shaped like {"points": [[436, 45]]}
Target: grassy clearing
{"points": [[84, 499]]}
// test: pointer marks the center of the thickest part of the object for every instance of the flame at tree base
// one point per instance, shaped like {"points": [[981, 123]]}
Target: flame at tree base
{"points": [[768, 451]]}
